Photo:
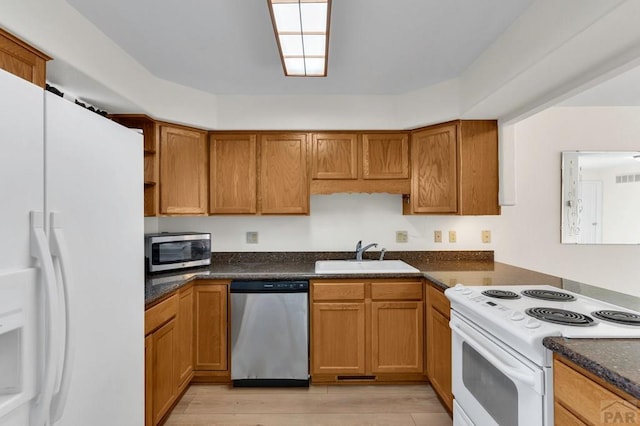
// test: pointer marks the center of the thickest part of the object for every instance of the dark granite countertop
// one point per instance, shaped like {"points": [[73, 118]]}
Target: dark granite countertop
{"points": [[444, 269], [616, 361]]}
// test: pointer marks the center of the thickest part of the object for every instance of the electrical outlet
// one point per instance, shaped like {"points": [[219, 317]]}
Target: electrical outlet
{"points": [[252, 237], [452, 236], [402, 237], [486, 236], [437, 236]]}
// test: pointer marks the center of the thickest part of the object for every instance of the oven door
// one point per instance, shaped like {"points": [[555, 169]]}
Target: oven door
{"points": [[492, 384]]}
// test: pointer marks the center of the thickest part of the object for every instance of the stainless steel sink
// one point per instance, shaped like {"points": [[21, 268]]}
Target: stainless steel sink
{"points": [[365, 266]]}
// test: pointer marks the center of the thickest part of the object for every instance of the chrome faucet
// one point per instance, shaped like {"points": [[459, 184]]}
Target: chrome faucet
{"points": [[360, 249]]}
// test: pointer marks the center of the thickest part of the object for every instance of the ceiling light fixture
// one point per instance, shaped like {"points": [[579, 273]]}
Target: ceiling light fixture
{"points": [[302, 33]]}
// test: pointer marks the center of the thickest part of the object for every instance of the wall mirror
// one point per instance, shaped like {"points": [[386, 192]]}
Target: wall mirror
{"points": [[600, 197]]}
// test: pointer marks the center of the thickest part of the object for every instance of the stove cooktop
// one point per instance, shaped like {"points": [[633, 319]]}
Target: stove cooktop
{"points": [[521, 316]]}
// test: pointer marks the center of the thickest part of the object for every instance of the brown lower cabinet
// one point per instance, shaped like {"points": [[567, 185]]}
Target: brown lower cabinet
{"points": [[367, 330], [438, 351], [361, 330], [581, 398], [175, 354], [211, 357]]}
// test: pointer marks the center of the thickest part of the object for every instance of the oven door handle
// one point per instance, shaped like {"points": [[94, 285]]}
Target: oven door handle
{"points": [[508, 370]]}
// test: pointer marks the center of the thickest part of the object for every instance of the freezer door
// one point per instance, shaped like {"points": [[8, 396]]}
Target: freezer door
{"points": [[94, 185], [18, 345], [21, 166]]}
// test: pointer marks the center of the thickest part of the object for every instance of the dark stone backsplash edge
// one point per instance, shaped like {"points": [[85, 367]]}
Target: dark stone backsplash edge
{"points": [[312, 256]]}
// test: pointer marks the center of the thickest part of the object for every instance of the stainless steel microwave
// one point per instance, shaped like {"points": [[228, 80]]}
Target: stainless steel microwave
{"points": [[178, 250]]}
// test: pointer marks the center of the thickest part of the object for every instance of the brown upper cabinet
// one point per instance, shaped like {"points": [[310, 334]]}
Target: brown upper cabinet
{"points": [[233, 173], [385, 156], [183, 170], [259, 173], [151, 135], [284, 179], [334, 156], [455, 169], [175, 166], [360, 162], [23, 60]]}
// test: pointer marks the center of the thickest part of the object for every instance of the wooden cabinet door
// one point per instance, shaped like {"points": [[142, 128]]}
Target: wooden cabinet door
{"points": [[21, 59], [334, 156], [183, 171], [439, 345], [338, 339], [184, 320], [233, 173], [397, 337], [479, 167], [385, 156], [434, 183], [284, 184], [164, 362], [211, 327], [148, 380]]}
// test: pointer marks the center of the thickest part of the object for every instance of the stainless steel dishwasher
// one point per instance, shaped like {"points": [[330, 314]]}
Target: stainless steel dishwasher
{"points": [[270, 333]]}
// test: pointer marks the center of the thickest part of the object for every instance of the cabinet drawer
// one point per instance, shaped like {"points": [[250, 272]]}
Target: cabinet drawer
{"points": [[438, 300], [396, 291], [338, 291], [587, 399], [157, 315], [564, 417]]}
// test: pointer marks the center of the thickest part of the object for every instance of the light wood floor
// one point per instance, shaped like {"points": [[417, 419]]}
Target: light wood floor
{"points": [[406, 405]]}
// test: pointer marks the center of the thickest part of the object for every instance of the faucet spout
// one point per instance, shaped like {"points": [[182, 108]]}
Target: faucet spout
{"points": [[360, 250]]}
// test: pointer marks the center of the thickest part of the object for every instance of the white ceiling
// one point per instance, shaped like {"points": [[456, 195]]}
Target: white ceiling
{"points": [[621, 90], [375, 47]]}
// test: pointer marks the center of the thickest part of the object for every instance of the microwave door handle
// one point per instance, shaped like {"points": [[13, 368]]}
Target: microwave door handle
{"points": [[510, 371]]}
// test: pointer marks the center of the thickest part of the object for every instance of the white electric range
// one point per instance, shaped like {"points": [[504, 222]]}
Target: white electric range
{"points": [[501, 371]]}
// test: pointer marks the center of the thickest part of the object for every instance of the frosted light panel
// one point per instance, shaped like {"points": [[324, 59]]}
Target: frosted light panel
{"points": [[314, 66], [291, 45], [313, 45], [314, 17], [302, 28], [295, 66], [287, 17]]}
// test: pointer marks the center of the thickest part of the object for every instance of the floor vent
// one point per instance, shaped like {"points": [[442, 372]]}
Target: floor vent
{"points": [[356, 378]]}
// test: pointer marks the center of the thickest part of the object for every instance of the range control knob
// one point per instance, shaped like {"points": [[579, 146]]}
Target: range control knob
{"points": [[458, 287], [517, 316], [467, 291], [532, 323]]}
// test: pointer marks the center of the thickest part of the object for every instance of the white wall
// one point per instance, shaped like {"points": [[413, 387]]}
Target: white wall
{"points": [[336, 223], [621, 204], [530, 231]]}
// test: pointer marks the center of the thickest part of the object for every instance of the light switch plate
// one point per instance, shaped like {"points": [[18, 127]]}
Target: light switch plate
{"points": [[486, 236], [437, 236], [452, 236], [402, 237]]}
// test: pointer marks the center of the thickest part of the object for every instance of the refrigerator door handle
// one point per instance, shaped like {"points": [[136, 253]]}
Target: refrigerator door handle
{"points": [[40, 250], [60, 253]]}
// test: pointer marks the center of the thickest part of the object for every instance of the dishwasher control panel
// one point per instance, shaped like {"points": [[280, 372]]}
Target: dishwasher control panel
{"points": [[297, 286]]}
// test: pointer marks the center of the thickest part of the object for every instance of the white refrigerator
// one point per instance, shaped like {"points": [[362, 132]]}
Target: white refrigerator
{"points": [[71, 263]]}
